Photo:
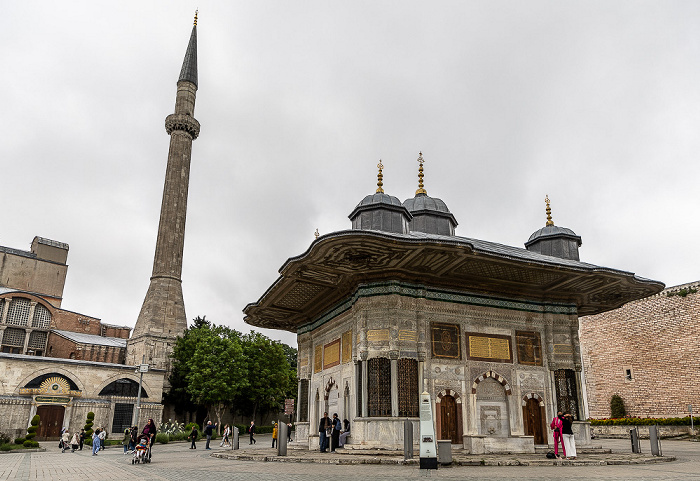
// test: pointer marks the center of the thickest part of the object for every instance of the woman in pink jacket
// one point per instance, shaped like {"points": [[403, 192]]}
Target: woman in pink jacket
{"points": [[556, 426]]}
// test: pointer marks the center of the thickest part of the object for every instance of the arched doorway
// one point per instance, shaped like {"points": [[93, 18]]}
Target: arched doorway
{"points": [[449, 425], [50, 422], [534, 419]]}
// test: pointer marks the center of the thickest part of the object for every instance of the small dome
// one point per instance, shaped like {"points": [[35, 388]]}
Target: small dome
{"points": [[425, 202], [551, 230], [379, 199], [430, 215]]}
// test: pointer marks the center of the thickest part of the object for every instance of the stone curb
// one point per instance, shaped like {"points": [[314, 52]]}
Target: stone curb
{"points": [[395, 460], [22, 451]]}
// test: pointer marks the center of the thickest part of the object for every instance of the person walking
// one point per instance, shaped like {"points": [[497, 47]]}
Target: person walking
{"points": [[82, 438], [208, 432], [568, 435], [74, 441], [225, 441], [324, 431], [556, 425], [95, 441], [251, 431], [65, 440], [132, 438], [150, 430], [126, 440], [289, 432], [193, 436], [274, 435], [335, 433]]}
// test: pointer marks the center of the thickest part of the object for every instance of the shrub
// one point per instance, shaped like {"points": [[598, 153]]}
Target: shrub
{"points": [[4, 439], [617, 407], [188, 427], [5, 447], [88, 425], [30, 444], [31, 430], [162, 438], [20, 440]]}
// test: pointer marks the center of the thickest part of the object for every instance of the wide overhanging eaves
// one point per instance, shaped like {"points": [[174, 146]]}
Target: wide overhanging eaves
{"points": [[335, 265]]}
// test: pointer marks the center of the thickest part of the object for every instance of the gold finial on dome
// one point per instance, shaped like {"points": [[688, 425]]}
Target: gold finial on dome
{"points": [[549, 211], [195, 17], [316, 234], [420, 190], [380, 166]]}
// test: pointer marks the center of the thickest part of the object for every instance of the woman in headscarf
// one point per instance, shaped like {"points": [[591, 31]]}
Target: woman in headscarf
{"points": [[150, 431]]}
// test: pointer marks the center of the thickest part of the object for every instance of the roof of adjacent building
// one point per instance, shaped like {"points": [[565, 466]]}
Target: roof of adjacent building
{"points": [[93, 339]]}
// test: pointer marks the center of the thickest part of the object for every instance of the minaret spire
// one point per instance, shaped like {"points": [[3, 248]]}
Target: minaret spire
{"points": [[162, 317]]}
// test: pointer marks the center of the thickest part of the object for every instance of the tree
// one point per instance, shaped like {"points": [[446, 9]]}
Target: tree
{"points": [[217, 372], [269, 382], [88, 424], [31, 430], [617, 407]]}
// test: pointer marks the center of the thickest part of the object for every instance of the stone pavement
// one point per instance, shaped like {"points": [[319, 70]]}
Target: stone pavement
{"points": [[175, 462]]}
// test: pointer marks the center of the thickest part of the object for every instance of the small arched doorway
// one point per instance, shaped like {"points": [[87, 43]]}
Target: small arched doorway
{"points": [[449, 425], [534, 418]]}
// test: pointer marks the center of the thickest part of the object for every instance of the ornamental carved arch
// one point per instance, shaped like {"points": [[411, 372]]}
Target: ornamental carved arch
{"points": [[50, 370], [535, 396], [493, 375], [448, 392]]}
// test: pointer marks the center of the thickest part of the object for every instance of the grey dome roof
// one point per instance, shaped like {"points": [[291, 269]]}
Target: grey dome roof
{"points": [[423, 202], [380, 199], [551, 231]]}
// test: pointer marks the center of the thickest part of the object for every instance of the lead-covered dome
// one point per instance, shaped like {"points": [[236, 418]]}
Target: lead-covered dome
{"points": [[380, 211], [555, 241], [430, 215]]}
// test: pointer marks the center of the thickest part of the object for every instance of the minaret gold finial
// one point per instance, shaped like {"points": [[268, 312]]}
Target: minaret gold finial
{"points": [[316, 234], [195, 17], [420, 190], [380, 166], [549, 211]]}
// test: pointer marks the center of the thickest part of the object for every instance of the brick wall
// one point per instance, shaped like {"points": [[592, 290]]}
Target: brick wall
{"points": [[74, 322], [61, 347], [656, 339]]}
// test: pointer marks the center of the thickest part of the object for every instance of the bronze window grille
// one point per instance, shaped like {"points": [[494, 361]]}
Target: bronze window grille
{"points": [[379, 387], [407, 384], [304, 401], [567, 398]]}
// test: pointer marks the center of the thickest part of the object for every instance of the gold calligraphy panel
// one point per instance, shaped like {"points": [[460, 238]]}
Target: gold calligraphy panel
{"points": [[318, 358], [375, 335], [331, 354], [347, 346], [445, 341], [491, 347], [406, 335], [529, 347]]}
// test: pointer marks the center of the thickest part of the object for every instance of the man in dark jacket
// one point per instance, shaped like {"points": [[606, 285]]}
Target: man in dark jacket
{"points": [[335, 434], [251, 431], [324, 430], [208, 431]]}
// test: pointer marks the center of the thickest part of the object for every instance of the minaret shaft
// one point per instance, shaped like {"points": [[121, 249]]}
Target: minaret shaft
{"points": [[162, 317]]}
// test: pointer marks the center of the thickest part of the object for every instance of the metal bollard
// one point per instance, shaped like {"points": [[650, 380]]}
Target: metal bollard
{"points": [[634, 437], [654, 439], [234, 444], [407, 439], [281, 438]]}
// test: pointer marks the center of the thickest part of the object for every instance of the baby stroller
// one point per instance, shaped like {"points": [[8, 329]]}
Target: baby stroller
{"points": [[142, 451]]}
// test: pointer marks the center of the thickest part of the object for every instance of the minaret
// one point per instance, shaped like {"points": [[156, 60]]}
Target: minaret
{"points": [[162, 317]]}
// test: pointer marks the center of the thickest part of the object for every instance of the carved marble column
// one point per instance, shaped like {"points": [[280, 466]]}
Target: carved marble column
{"points": [[6, 309], [394, 383]]}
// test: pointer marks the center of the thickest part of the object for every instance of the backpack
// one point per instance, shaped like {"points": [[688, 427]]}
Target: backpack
{"points": [[551, 455]]}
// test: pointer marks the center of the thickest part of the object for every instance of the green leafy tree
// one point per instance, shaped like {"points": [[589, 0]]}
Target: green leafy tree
{"points": [[217, 372], [269, 382], [617, 407]]}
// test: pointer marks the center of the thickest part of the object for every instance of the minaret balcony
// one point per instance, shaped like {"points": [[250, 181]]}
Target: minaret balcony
{"points": [[182, 122]]}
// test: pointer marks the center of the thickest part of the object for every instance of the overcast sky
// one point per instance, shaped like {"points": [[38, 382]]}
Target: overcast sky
{"points": [[596, 104]]}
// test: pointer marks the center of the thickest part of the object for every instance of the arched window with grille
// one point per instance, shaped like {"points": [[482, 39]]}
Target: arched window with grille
{"points": [[379, 387], [42, 317]]}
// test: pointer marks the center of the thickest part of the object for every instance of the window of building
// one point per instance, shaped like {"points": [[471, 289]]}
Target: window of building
{"points": [[37, 340], [123, 413], [42, 317], [407, 384], [567, 397], [628, 374], [303, 400], [13, 337], [379, 387], [18, 313], [123, 387], [359, 388]]}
